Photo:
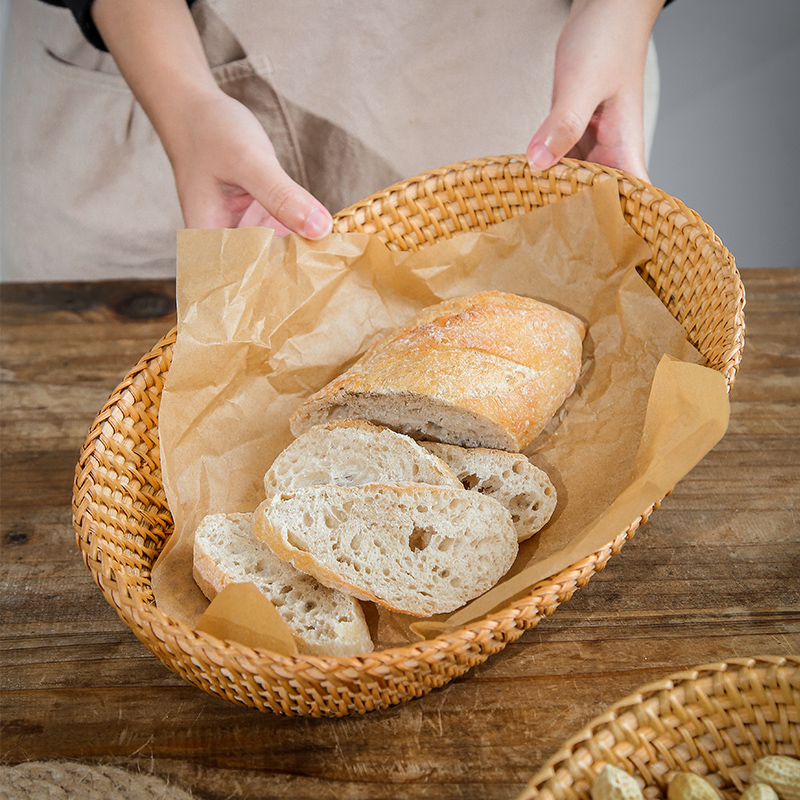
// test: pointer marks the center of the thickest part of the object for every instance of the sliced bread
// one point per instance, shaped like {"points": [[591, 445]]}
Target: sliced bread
{"points": [[322, 620], [354, 452], [486, 370], [413, 548], [510, 478]]}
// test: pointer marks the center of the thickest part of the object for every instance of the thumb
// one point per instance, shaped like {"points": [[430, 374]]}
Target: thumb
{"points": [[561, 131], [286, 201]]}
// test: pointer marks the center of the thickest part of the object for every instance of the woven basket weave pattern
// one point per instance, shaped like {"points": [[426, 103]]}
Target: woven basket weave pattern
{"points": [[121, 515], [715, 720]]}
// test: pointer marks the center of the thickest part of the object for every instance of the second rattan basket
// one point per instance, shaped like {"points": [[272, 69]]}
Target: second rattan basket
{"points": [[121, 515], [715, 720]]}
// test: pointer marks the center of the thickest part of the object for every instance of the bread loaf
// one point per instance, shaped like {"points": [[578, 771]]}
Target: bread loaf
{"points": [[413, 548], [322, 620], [510, 478], [352, 452], [487, 370]]}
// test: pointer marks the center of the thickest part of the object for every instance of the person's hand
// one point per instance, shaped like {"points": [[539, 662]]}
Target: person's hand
{"points": [[598, 104], [227, 174], [226, 171]]}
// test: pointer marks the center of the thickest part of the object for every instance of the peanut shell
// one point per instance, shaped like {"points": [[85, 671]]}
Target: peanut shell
{"points": [[614, 783], [782, 773], [759, 791], [688, 786]]}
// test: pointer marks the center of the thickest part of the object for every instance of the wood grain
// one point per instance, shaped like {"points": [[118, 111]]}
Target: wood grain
{"points": [[715, 574]]}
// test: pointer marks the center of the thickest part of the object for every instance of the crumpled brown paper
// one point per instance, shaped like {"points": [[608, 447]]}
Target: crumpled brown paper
{"points": [[241, 613], [264, 322]]}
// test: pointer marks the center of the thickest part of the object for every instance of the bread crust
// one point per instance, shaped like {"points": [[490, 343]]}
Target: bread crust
{"points": [[489, 370]]}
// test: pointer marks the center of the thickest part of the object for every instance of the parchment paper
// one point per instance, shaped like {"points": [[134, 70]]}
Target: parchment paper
{"points": [[264, 322]]}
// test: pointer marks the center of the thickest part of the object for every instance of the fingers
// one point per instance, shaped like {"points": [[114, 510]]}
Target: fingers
{"points": [[613, 136], [609, 131], [597, 110], [266, 197], [228, 175], [256, 216], [560, 132], [286, 201]]}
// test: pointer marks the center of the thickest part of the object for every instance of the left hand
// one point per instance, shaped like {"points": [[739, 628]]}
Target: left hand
{"points": [[598, 87]]}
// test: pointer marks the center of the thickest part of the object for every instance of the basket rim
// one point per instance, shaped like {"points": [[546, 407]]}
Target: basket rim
{"points": [[488, 166], [546, 594]]}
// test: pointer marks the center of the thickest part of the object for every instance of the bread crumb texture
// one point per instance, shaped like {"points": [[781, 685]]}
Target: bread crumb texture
{"points": [[323, 621], [413, 548]]}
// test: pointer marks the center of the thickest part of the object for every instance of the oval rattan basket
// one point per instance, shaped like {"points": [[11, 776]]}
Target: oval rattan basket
{"points": [[121, 515], [715, 720]]}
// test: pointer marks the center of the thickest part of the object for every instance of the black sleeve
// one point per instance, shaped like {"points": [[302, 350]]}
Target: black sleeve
{"points": [[82, 11]]}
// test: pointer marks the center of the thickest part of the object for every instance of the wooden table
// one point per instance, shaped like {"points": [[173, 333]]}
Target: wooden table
{"points": [[715, 574]]}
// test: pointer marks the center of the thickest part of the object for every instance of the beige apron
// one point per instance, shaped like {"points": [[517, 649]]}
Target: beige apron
{"points": [[369, 94]]}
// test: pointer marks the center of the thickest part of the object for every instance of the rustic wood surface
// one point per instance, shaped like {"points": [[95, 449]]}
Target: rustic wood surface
{"points": [[715, 574]]}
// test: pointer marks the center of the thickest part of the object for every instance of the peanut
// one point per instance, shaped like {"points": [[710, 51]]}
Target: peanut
{"points": [[688, 786], [760, 791], [782, 773], [614, 783]]}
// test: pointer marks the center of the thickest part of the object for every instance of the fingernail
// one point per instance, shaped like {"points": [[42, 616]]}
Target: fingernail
{"points": [[540, 157], [317, 225]]}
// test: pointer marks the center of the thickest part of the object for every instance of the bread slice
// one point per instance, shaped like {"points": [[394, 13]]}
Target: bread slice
{"points": [[323, 621], [353, 452], [510, 478], [413, 548], [487, 370]]}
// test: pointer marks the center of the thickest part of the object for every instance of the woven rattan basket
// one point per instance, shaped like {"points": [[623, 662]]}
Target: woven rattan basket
{"points": [[714, 720], [121, 515]]}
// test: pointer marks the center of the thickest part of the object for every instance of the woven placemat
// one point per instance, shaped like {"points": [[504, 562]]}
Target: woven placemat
{"points": [[69, 780]]}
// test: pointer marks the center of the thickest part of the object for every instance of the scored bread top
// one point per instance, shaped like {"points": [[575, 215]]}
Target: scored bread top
{"points": [[323, 621], [353, 452], [487, 370], [413, 548], [505, 325]]}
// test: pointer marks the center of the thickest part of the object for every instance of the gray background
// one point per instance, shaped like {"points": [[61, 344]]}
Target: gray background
{"points": [[728, 130], [727, 137]]}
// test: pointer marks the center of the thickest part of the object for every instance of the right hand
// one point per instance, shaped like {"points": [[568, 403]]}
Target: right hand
{"points": [[227, 174]]}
